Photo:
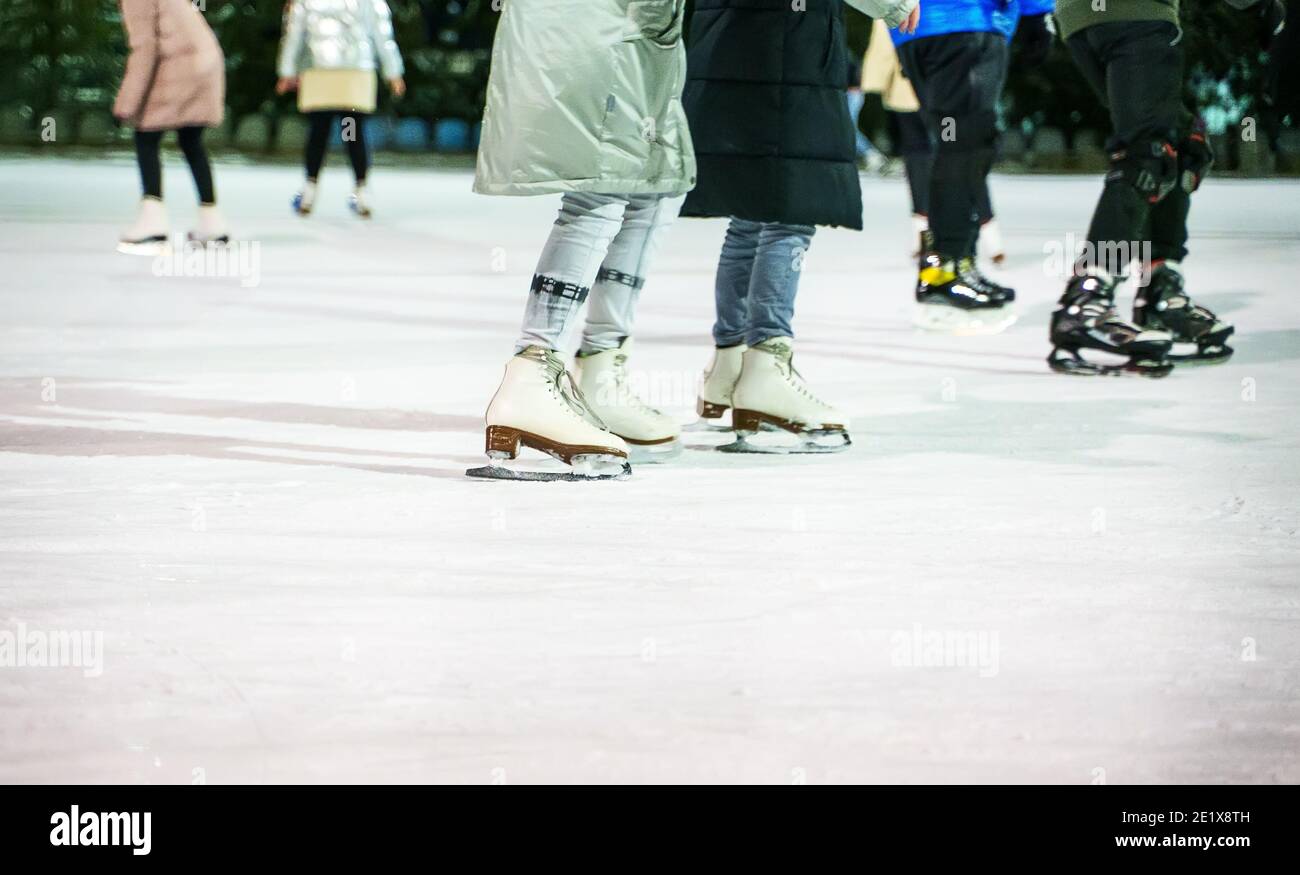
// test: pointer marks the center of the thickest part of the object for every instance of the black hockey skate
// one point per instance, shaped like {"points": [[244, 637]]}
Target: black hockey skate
{"points": [[1086, 318], [1163, 305], [953, 296]]}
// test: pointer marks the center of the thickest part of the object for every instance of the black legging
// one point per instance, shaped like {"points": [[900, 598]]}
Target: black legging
{"points": [[354, 137], [147, 155], [913, 139]]}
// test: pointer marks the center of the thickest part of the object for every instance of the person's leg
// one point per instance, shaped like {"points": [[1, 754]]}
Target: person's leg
{"points": [[612, 305], [956, 77], [731, 320], [1168, 221], [1168, 226], [147, 144], [568, 266], [602, 371], [149, 232], [994, 83], [353, 127], [1136, 68], [984, 201], [1143, 72], [892, 132], [191, 141], [318, 139], [862, 144], [769, 391], [731, 283], [774, 283], [917, 151], [539, 403], [1162, 301]]}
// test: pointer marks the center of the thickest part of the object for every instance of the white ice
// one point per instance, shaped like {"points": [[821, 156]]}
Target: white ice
{"points": [[257, 496]]}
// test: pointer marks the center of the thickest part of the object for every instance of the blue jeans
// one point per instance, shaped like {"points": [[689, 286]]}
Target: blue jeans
{"points": [[758, 277], [856, 99]]}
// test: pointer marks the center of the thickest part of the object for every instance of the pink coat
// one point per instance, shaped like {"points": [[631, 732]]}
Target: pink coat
{"points": [[176, 73]]}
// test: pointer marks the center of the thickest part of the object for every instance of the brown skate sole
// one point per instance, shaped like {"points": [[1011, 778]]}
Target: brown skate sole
{"points": [[752, 421], [628, 440], [709, 410], [504, 442]]}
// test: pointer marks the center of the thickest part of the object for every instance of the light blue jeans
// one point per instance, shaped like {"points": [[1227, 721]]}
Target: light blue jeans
{"points": [[601, 246], [758, 278], [856, 99]]}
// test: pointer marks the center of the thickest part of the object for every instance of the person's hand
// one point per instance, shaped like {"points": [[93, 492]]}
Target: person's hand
{"points": [[1273, 13], [398, 85], [910, 23], [1035, 37], [285, 84]]}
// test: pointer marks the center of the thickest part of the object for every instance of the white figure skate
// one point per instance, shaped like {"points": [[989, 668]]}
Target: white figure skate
{"points": [[359, 202], [719, 382], [651, 436], [212, 230], [150, 234], [538, 406], [305, 201], [770, 392]]}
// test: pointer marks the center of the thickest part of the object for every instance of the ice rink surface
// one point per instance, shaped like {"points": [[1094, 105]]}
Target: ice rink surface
{"points": [[256, 493]]}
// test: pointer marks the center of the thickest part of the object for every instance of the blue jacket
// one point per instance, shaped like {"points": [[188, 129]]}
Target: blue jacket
{"points": [[972, 16]]}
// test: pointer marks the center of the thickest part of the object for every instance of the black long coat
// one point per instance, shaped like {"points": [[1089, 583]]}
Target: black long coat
{"points": [[764, 94]]}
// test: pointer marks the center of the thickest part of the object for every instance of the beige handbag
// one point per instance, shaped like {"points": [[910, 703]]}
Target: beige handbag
{"points": [[338, 90], [881, 72]]}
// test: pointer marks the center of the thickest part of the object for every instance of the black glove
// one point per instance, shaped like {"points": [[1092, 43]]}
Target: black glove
{"points": [[1035, 36], [1195, 158]]}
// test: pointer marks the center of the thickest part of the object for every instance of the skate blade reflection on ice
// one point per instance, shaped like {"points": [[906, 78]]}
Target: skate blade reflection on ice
{"points": [[653, 454], [779, 442], [942, 319], [720, 425], [149, 248], [708, 425], [193, 242], [546, 469]]}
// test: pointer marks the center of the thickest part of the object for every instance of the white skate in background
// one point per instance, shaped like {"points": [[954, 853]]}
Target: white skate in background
{"points": [[714, 402], [651, 436]]}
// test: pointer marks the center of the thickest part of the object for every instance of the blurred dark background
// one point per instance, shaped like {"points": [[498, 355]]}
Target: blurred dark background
{"points": [[62, 60]]}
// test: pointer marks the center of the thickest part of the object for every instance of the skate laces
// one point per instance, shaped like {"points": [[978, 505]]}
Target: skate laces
{"points": [[1102, 315], [1167, 305], [622, 389], [784, 357], [562, 385], [968, 270], [1096, 312]]}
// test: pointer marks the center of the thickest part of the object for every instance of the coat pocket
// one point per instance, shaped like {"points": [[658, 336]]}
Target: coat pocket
{"points": [[659, 21]]}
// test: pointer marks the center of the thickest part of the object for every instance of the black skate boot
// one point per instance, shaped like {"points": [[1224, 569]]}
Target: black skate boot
{"points": [[954, 297], [970, 265], [1086, 318], [1163, 305]]}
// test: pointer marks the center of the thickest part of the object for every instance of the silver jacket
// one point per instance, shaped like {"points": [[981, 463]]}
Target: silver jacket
{"points": [[339, 35]]}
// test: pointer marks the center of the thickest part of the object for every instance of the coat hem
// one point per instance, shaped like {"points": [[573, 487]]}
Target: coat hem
{"points": [[171, 126], [670, 188]]}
